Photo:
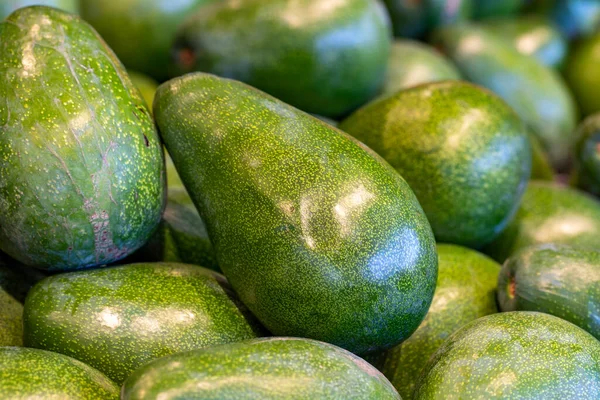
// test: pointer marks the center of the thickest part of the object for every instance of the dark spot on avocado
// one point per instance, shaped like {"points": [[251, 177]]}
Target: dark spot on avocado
{"points": [[146, 142]]}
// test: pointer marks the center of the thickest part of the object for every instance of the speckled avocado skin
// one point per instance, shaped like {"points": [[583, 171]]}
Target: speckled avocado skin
{"points": [[317, 234], [116, 319], [550, 213], [514, 355], [9, 6], [265, 369], [586, 174], [38, 374], [495, 8], [146, 85], [554, 279], [324, 57], [462, 150], [81, 163], [413, 63], [583, 73], [536, 92], [466, 290], [13, 289]]}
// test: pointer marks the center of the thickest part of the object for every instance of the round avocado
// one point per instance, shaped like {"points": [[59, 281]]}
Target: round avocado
{"points": [[582, 72]]}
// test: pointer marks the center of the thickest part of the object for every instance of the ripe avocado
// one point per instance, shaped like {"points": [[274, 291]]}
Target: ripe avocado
{"points": [[461, 148], [317, 234], [9, 6], [81, 163], [586, 173], [583, 73]]}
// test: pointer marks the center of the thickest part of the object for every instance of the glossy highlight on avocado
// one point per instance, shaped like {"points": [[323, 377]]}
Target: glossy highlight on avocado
{"points": [[317, 234], [271, 368], [81, 163]]}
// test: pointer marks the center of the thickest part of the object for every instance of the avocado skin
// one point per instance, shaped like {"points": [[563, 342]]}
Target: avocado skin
{"points": [[586, 174], [536, 92], [413, 63], [317, 234], [146, 85], [140, 32], [270, 368], [582, 73], [415, 19], [9, 6], [466, 290], [116, 319], [495, 8], [514, 355], [81, 163], [324, 65], [540, 165], [32, 373], [461, 149], [554, 279], [550, 213]]}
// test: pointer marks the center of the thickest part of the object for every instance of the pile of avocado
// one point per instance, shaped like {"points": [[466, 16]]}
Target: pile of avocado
{"points": [[299, 199]]}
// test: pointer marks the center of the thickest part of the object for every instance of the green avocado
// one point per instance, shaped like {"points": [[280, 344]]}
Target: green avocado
{"points": [[586, 174], [536, 92], [466, 290], [415, 19], [270, 368], [9, 6], [540, 165], [413, 63], [514, 355], [38, 374], [13, 289], [582, 72], [495, 8], [324, 57], [550, 213], [554, 279], [317, 234], [146, 85], [140, 32], [116, 319], [81, 163], [532, 35], [463, 151]]}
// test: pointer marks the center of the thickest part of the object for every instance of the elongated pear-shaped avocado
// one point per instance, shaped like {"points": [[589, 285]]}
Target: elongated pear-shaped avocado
{"points": [[116, 319], [466, 290], [536, 92], [324, 57], [318, 235], [81, 165], [586, 174], [271, 368], [39, 374], [9, 6], [582, 72], [461, 148], [514, 355], [558, 280]]}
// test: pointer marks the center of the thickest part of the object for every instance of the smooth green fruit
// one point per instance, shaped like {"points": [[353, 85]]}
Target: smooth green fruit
{"points": [[13, 289], [532, 35], [38, 374], [324, 57], [557, 280], [540, 165], [535, 91], [466, 290], [583, 74], [514, 355], [413, 63], [550, 213], [495, 8], [116, 319], [270, 368], [462, 150], [317, 234], [9, 6], [141, 32], [586, 174], [146, 85], [81, 163], [417, 18]]}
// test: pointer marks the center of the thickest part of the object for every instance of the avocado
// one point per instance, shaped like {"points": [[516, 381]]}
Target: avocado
{"points": [[413, 63], [140, 32], [317, 234], [13, 289], [536, 92], [466, 290], [38, 374], [514, 355], [146, 85], [550, 213], [323, 57], [495, 8], [540, 165], [586, 174], [270, 368], [415, 19], [582, 72], [461, 148], [554, 279], [116, 319], [9, 6], [532, 35]]}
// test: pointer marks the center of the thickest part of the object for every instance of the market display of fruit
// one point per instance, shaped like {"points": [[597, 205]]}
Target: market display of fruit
{"points": [[299, 199]]}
